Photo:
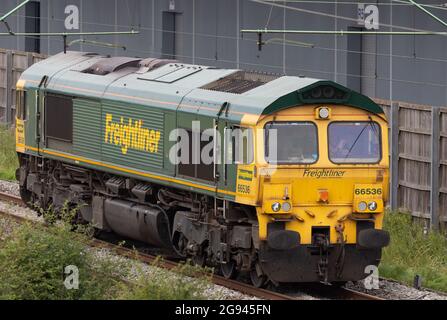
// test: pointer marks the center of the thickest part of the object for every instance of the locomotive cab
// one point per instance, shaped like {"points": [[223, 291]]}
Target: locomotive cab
{"points": [[323, 181]]}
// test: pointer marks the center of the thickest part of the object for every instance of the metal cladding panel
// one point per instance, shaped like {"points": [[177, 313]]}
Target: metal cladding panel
{"points": [[87, 135], [53, 65], [368, 66], [160, 72], [132, 135]]}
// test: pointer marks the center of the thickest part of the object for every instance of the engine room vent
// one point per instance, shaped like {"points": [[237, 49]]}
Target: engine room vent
{"points": [[109, 65], [171, 73], [150, 64], [240, 82]]}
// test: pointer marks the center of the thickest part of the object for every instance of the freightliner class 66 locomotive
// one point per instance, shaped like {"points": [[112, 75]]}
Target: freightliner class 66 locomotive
{"points": [[294, 191]]}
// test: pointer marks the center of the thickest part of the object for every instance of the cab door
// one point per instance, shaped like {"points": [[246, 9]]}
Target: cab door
{"points": [[223, 166], [20, 117]]}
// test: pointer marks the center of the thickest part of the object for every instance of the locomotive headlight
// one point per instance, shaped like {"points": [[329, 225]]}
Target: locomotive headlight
{"points": [[323, 113], [361, 206], [372, 206], [286, 206], [276, 207]]}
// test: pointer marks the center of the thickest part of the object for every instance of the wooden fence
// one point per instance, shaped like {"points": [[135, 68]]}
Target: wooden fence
{"points": [[418, 144], [418, 159], [12, 64]]}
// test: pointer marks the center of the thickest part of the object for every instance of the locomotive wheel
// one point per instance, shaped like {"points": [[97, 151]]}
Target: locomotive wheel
{"points": [[199, 260], [228, 270], [256, 280], [27, 197], [179, 242]]}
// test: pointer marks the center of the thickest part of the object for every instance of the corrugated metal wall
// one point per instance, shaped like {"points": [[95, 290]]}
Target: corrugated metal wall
{"points": [[208, 32]]}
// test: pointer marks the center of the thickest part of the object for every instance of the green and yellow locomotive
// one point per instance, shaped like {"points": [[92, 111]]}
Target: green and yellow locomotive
{"points": [[281, 177]]}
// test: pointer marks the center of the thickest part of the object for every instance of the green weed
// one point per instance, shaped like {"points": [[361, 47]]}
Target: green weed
{"points": [[8, 155], [413, 251]]}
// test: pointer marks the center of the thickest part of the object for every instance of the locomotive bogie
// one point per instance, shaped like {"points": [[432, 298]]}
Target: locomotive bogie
{"points": [[285, 178]]}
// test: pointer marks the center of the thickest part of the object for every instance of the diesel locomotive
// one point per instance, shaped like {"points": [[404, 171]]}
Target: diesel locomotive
{"points": [[291, 188]]}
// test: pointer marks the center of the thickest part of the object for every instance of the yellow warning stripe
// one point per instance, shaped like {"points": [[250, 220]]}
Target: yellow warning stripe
{"points": [[127, 170]]}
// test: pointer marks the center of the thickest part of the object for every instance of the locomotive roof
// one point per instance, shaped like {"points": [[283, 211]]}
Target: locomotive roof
{"points": [[167, 84]]}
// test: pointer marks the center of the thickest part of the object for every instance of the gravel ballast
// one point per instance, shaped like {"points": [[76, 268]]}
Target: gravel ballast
{"points": [[213, 292], [10, 187], [388, 289], [392, 290]]}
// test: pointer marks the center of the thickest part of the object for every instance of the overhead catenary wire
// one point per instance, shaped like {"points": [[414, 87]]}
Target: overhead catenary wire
{"points": [[328, 15], [420, 7], [96, 43], [347, 32], [278, 67], [201, 34], [301, 70], [206, 35], [64, 35], [401, 3], [268, 19], [308, 72], [10, 12]]}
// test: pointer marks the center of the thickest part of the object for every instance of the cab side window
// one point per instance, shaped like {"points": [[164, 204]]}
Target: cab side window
{"points": [[242, 148], [198, 168], [21, 104], [59, 117]]}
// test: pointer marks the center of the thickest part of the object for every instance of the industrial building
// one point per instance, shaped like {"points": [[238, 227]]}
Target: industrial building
{"points": [[410, 67]]}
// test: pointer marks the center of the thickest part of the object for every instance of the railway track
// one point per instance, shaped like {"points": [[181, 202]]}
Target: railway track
{"points": [[331, 292], [11, 198]]}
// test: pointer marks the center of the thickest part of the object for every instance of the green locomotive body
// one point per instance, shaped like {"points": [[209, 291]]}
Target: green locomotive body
{"points": [[98, 132]]}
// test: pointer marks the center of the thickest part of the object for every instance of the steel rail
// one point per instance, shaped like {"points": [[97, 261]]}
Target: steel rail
{"points": [[11, 198]]}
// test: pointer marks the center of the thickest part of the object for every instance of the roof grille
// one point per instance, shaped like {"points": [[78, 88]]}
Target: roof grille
{"points": [[108, 65], [240, 82]]}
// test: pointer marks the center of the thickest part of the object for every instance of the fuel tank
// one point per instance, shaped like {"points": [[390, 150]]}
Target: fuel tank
{"points": [[139, 222]]}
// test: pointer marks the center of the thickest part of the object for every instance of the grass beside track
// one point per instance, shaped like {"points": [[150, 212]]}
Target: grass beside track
{"points": [[413, 252], [8, 156], [36, 263]]}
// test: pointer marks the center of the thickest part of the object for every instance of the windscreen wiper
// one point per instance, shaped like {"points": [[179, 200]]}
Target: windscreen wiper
{"points": [[356, 139]]}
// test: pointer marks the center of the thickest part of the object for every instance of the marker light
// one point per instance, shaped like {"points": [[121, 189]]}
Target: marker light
{"points": [[316, 93], [323, 195], [362, 206], [323, 113], [286, 206], [372, 206], [276, 206], [328, 92]]}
